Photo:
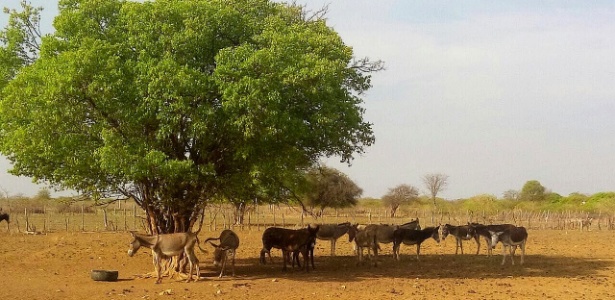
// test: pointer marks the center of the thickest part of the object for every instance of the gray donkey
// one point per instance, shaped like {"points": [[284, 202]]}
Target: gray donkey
{"points": [[229, 242]]}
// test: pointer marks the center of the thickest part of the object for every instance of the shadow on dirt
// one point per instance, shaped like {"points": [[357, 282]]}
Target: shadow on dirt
{"points": [[344, 268]]}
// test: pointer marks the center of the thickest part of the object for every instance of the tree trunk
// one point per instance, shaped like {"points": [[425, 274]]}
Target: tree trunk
{"points": [[170, 220], [179, 218], [240, 211], [393, 210]]}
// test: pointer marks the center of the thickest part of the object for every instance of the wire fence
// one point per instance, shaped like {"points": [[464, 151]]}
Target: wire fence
{"points": [[129, 217]]}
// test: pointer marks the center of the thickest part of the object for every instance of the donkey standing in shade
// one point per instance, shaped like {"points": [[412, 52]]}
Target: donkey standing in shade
{"points": [[364, 238], [229, 242], [510, 238], [384, 232], [485, 232], [461, 233], [332, 232], [165, 246], [289, 241], [413, 237]]}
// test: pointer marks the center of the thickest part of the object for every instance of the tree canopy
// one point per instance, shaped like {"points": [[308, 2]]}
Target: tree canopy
{"points": [[532, 191], [173, 103]]}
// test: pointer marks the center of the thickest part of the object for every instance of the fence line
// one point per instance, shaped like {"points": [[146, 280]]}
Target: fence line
{"points": [[129, 217]]}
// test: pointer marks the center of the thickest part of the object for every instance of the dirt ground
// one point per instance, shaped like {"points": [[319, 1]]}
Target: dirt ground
{"points": [[558, 265]]}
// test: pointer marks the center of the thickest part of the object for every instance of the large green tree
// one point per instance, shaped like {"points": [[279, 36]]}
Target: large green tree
{"points": [[175, 103]]}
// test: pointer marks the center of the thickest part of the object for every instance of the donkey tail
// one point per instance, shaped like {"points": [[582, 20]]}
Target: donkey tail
{"points": [[211, 239], [199, 244]]}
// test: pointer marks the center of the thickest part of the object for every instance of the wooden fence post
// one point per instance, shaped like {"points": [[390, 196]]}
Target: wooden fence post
{"points": [[105, 219], [27, 221], [249, 221], [83, 217], [134, 217], [44, 219]]}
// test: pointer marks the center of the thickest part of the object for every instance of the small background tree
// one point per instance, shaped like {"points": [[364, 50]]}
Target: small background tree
{"points": [[532, 191], [401, 194], [511, 195], [435, 183]]}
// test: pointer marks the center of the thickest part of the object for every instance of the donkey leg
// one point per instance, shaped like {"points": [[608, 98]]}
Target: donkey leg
{"points": [[191, 269], [513, 249], [223, 264], [375, 255], [418, 251], [477, 240], [503, 254], [198, 269], [194, 262], [233, 257], [285, 254], [156, 260]]}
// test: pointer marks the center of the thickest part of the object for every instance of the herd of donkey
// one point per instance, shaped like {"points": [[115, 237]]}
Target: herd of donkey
{"points": [[293, 242]]}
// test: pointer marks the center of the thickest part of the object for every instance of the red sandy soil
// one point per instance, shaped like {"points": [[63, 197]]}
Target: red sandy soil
{"points": [[558, 265]]}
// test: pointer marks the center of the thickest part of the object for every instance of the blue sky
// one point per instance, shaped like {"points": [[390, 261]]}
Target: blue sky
{"points": [[491, 93]]}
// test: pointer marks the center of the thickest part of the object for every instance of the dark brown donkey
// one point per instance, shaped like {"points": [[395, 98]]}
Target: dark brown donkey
{"points": [[310, 250], [481, 230], [289, 241], [510, 238], [413, 237]]}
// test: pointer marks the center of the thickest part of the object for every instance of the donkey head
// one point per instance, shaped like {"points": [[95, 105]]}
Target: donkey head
{"points": [[313, 230], [352, 232], [134, 245], [445, 230], [437, 232], [219, 253], [495, 238]]}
